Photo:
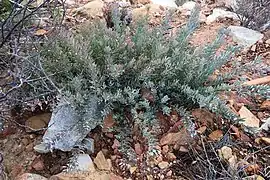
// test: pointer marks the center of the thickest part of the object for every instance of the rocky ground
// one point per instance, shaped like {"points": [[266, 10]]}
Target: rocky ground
{"points": [[219, 147]]}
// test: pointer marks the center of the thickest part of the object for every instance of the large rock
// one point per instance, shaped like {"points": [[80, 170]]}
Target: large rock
{"points": [[91, 9], [219, 13], [189, 6], [244, 36], [228, 3], [165, 3], [67, 128], [150, 9]]}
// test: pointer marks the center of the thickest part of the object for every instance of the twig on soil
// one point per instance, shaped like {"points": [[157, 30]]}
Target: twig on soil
{"points": [[263, 80]]}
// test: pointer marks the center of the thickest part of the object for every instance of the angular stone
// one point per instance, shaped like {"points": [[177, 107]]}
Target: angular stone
{"points": [[82, 162], [163, 165], [150, 9], [182, 138], [244, 37], [225, 153], [138, 148], [38, 164], [229, 3], [65, 129], [249, 119], [220, 14], [216, 135], [101, 162], [171, 156], [266, 140], [266, 105]]}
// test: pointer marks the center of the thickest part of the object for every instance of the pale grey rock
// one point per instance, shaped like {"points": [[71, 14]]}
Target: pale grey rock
{"points": [[219, 13], [243, 36], [190, 5], [68, 128], [81, 162]]}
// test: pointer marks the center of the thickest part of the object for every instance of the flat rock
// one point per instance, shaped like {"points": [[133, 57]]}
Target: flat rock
{"points": [[82, 162], [30, 176], [182, 137], [244, 36], [163, 165], [91, 9], [149, 9], [190, 5], [229, 3], [37, 122], [38, 164], [65, 129], [249, 119], [216, 135], [225, 153], [219, 13], [266, 105]]}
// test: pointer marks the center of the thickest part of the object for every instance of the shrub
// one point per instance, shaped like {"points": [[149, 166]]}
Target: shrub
{"points": [[136, 71], [254, 14]]}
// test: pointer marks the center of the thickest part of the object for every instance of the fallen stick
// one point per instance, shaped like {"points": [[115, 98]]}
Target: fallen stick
{"points": [[263, 80]]}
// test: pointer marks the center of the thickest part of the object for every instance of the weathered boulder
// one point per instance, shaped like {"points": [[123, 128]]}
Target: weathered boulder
{"points": [[228, 3], [67, 127], [190, 5], [147, 10], [219, 13], [91, 9], [244, 36]]}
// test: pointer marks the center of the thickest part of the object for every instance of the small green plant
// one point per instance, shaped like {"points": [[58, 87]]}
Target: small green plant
{"points": [[6, 7], [136, 72]]}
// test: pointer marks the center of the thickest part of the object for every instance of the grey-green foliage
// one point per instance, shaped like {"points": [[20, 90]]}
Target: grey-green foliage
{"points": [[137, 71]]}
